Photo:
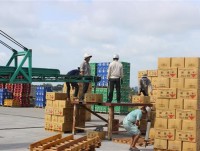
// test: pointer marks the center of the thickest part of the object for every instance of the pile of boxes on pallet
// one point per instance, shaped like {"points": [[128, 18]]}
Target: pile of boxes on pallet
{"points": [[40, 100], [101, 70], [177, 120], [59, 113], [20, 95]]}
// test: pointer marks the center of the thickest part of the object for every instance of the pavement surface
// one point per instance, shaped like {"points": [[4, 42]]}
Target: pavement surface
{"points": [[20, 127]]}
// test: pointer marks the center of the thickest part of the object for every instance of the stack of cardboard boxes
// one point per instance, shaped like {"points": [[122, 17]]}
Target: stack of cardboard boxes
{"points": [[177, 106], [59, 113]]}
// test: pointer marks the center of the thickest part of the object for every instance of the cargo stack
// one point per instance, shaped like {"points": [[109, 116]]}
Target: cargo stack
{"points": [[177, 105], [59, 113], [102, 88], [4, 94], [2, 85], [40, 100]]}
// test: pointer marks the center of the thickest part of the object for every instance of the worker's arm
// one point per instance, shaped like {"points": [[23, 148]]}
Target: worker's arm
{"points": [[139, 87], [150, 87]]}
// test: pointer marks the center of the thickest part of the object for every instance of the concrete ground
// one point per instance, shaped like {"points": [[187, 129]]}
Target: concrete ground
{"points": [[19, 127]]}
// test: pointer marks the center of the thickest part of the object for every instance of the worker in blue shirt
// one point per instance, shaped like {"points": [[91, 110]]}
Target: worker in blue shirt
{"points": [[131, 123], [74, 85]]}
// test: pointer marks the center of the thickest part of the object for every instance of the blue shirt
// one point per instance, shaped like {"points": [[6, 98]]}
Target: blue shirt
{"points": [[134, 115]]}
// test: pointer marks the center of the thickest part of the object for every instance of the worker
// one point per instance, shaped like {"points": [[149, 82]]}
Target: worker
{"points": [[145, 85], [131, 123], [85, 70], [74, 85], [115, 75]]}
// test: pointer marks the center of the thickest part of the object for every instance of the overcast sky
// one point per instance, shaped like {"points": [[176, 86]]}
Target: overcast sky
{"points": [[60, 31]]}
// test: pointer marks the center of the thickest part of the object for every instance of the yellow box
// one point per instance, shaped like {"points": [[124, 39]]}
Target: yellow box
{"points": [[49, 110], [89, 97], [175, 124], [177, 83], [140, 99], [187, 136], [192, 84], [176, 103], [175, 145], [154, 82], [177, 62], [62, 127], [49, 103], [192, 62], [168, 73], [152, 73], [65, 119], [56, 96], [188, 125], [160, 123], [152, 133], [161, 144], [47, 117], [167, 134], [191, 104], [192, 94], [162, 83], [187, 146], [63, 111], [193, 73], [167, 93], [54, 118], [55, 104], [141, 73], [192, 115], [162, 104], [164, 63], [153, 99], [168, 113], [64, 104]]}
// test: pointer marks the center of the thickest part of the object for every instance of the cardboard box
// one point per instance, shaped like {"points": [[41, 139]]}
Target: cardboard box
{"points": [[177, 83], [161, 144], [177, 62], [164, 63], [192, 62], [154, 82], [140, 99], [168, 73], [187, 136], [175, 145], [168, 114], [153, 99], [64, 104], [192, 84], [192, 94], [175, 124], [160, 123], [188, 125], [56, 96], [54, 118], [65, 119], [166, 134], [89, 97], [152, 133], [49, 110], [141, 73], [162, 104], [152, 73], [167, 93], [162, 83], [187, 146], [49, 103], [176, 103], [192, 115], [192, 73], [55, 104], [63, 111], [191, 104], [62, 127], [47, 118]]}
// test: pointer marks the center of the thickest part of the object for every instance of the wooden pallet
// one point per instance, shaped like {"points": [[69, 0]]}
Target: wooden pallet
{"points": [[68, 143], [127, 140]]}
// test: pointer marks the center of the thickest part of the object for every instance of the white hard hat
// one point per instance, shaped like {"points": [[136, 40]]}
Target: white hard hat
{"points": [[116, 56], [86, 55]]}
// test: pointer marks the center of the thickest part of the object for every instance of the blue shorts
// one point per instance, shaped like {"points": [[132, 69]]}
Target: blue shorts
{"points": [[131, 128]]}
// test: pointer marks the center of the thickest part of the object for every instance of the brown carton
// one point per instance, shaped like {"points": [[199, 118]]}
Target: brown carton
{"points": [[162, 83], [187, 146], [191, 104], [188, 125], [164, 63], [162, 104], [89, 97], [192, 62], [176, 103], [168, 73], [152, 73], [175, 145], [192, 84], [167, 113], [160, 123], [140, 99], [141, 73], [65, 119], [187, 136], [192, 94], [64, 104], [193, 73], [63, 111], [177, 83], [161, 144], [55, 104], [154, 82], [56, 96], [47, 118], [167, 134], [175, 124], [177, 62], [192, 115], [167, 93]]}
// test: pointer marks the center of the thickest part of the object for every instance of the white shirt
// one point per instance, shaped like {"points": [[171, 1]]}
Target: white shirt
{"points": [[115, 70]]}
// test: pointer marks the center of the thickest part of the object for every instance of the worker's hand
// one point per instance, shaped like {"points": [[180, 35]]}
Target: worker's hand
{"points": [[137, 123], [151, 93]]}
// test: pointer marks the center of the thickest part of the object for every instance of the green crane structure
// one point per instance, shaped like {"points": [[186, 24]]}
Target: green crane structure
{"points": [[16, 72]]}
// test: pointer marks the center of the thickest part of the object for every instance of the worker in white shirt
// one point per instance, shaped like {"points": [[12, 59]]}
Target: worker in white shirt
{"points": [[115, 75]]}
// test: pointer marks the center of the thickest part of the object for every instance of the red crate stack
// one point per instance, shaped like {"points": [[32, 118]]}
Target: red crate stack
{"points": [[9, 87], [2, 85], [21, 93]]}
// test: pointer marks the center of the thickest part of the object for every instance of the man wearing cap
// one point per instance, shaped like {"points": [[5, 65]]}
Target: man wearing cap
{"points": [[85, 70], [132, 122], [144, 84], [115, 74]]}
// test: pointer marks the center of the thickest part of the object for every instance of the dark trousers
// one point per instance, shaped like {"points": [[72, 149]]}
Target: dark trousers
{"points": [[114, 83], [145, 92], [85, 88], [74, 86]]}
